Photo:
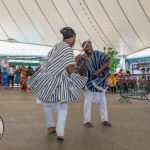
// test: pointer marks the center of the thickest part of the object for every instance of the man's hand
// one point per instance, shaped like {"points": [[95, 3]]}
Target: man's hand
{"points": [[78, 58], [85, 57], [70, 69], [82, 66], [96, 73]]}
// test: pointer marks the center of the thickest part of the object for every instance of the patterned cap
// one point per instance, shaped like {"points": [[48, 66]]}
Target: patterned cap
{"points": [[67, 32]]}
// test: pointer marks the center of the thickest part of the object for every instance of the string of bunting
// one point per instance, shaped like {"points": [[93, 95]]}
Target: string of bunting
{"points": [[92, 24]]}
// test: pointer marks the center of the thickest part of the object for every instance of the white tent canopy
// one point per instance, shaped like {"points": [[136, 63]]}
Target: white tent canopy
{"points": [[19, 49], [121, 24], [23, 49], [144, 53]]}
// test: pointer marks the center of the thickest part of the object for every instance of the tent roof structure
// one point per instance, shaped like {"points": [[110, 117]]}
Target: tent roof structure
{"points": [[140, 54], [121, 24]]}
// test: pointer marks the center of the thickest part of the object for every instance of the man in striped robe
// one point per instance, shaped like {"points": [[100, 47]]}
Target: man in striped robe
{"points": [[94, 65], [55, 84]]}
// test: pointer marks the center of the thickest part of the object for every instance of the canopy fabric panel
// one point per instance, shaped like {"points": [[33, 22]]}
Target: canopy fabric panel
{"points": [[121, 24], [22, 49], [19, 49], [144, 53]]}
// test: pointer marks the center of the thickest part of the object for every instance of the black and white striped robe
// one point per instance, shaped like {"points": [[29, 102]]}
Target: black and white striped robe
{"points": [[52, 83], [94, 62]]}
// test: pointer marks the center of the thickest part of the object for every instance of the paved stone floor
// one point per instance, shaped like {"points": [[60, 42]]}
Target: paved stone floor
{"points": [[25, 127]]}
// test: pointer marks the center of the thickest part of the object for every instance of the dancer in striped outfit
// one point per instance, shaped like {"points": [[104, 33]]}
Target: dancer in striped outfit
{"points": [[55, 84], [94, 65]]}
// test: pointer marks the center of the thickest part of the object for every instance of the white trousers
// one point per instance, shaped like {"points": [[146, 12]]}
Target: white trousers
{"points": [[62, 110], [100, 99]]}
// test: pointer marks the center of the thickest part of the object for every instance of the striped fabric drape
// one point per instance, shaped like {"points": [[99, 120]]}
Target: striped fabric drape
{"points": [[52, 83], [94, 63]]}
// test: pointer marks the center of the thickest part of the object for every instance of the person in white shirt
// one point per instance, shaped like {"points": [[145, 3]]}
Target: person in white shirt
{"points": [[11, 71]]}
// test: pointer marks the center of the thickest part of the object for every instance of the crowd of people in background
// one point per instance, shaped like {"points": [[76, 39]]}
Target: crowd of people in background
{"points": [[18, 75], [134, 79], [113, 80]]}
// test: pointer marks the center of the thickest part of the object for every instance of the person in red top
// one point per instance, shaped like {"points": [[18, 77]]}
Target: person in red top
{"points": [[120, 72]]}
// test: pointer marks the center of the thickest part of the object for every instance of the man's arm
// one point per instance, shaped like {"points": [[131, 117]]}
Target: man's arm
{"points": [[106, 64], [81, 68], [96, 73]]}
